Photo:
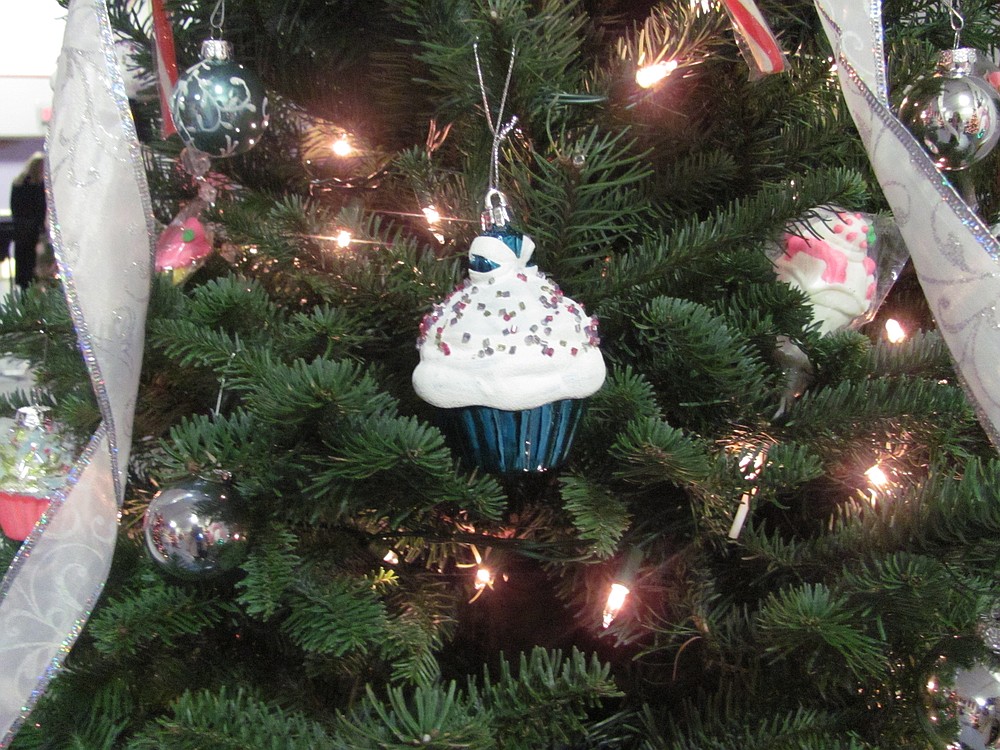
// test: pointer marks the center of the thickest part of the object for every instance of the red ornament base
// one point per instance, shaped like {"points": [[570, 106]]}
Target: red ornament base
{"points": [[19, 513]]}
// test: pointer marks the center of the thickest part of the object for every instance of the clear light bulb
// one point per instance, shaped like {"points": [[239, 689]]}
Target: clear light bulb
{"points": [[342, 146], [894, 331], [616, 600], [877, 477], [344, 238], [484, 578], [391, 558], [650, 75], [433, 216]]}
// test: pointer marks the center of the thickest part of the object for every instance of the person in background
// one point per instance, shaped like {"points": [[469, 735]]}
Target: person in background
{"points": [[27, 209]]}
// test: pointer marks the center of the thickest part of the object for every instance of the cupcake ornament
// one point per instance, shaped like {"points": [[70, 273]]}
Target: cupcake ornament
{"points": [[35, 461], [507, 357], [829, 259], [845, 262]]}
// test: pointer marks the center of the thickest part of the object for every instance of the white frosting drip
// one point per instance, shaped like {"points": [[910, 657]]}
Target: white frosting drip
{"points": [[507, 339]]}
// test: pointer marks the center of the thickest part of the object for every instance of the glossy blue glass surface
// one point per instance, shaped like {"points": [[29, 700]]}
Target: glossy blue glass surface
{"points": [[508, 442]]}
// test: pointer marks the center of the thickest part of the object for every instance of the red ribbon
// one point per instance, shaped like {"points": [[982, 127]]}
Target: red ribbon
{"points": [[166, 64]]}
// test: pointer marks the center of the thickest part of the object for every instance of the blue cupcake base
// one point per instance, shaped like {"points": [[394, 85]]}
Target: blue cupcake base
{"points": [[508, 442]]}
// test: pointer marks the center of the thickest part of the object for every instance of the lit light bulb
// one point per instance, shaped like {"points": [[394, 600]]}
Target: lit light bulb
{"points": [[876, 477], [433, 216], [484, 580], [616, 600], [650, 75], [344, 238], [391, 558], [894, 331], [342, 146], [757, 457]]}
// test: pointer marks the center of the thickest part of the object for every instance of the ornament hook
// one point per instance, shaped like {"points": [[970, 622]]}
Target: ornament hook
{"points": [[218, 18], [957, 20]]}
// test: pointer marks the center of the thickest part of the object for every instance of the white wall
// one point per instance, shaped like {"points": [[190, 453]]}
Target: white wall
{"points": [[30, 39]]}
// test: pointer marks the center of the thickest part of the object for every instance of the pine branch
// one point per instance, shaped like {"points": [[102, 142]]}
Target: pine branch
{"points": [[541, 705], [433, 717], [230, 720], [655, 453], [924, 354], [674, 335], [271, 571], [577, 213], [407, 465], [341, 617], [600, 518], [546, 700], [851, 410], [155, 614], [811, 624], [659, 263]]}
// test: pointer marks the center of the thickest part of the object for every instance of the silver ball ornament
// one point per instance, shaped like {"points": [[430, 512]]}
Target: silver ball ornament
{"points": [[219, 106], [989, 628], [954, 113], [185, 534]]}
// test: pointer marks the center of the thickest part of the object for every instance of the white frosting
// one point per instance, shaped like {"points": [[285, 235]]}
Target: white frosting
{"points": [[827, 258], [507, 339]]}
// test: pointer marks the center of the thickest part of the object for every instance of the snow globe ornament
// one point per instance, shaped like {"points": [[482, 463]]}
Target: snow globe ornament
{"points": [[507, 357], [219, 106], [955, 112], [186, 533]]}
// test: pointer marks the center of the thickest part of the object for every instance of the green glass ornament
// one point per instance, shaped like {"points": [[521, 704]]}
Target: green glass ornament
{"points": [[219, 106]]}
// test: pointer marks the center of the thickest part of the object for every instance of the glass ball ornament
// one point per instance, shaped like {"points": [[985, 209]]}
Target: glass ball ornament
{"points": [[963, 706], [989, 628], [186, 534], [219, 106], [954, 113]]}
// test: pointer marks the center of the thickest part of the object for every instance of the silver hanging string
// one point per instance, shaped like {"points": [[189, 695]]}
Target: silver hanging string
{"points": [[500, 131], [956, 19], [218, 19], [222, 386]]}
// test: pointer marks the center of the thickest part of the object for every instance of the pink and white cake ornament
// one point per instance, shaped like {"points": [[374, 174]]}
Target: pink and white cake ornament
{"points": [[827, 257]]}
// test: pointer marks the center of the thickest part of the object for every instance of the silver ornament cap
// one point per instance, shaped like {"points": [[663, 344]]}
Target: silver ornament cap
{"points": [[216, 49], [496, 212], [33, 417]]}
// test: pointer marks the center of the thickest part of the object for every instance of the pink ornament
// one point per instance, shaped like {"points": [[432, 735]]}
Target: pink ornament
{"points": [[182, 245], [19, 513]]}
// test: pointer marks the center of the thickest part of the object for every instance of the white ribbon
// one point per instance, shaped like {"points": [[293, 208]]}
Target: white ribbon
{"points": [[953, 252], [102, 229]]}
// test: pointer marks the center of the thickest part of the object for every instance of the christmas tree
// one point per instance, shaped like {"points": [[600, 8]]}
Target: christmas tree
{"points": [[798, 515]]}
